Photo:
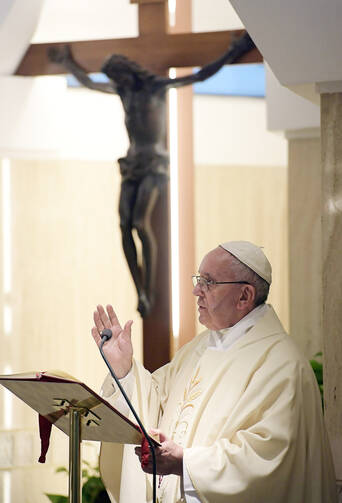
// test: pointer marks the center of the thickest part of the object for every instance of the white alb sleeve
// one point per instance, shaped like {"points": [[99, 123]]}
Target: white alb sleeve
{"points": [[189, 490], [109, 388]]}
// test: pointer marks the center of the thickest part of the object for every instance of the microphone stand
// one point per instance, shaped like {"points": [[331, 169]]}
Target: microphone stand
{"points": [[106, 334]]}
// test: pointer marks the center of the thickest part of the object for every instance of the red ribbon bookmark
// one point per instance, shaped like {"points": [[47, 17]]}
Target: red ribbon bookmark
{"points": [[44, 433]]}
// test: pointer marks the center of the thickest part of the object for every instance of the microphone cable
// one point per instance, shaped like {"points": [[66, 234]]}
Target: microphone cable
{"points": [[106, 334]]}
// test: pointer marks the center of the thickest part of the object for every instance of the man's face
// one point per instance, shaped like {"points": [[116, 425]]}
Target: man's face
{"points": [[217, 307]]}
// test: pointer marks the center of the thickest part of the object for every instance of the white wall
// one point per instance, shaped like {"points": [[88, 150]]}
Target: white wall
{"points": [[214, 16], [85, 20], [232, 130], [287, 110], [31, 116]]}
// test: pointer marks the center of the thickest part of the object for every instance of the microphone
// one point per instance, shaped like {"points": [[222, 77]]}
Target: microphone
{"points": [[106, 334]]}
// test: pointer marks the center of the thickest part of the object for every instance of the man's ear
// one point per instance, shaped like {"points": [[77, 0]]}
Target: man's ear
{"points": [[247, 297]]}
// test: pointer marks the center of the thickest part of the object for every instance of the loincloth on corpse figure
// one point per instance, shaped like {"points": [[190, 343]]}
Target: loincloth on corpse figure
{"points": [[136, 168]]}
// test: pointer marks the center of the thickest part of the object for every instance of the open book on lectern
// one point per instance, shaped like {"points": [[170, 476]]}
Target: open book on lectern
{"points": [[51, 394]]}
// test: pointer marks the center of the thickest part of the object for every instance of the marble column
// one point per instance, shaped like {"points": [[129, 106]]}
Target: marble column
{"points": [[331, 127]]}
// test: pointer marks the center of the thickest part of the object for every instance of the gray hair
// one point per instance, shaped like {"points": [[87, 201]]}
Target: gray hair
{"points": [[244, 273]]}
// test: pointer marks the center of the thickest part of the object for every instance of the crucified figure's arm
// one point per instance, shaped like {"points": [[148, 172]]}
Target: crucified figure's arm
{"points": [[63, 56], [237, 49]]}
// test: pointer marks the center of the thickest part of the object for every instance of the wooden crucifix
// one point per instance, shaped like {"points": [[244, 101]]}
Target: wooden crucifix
{"points": [[157, 50]]}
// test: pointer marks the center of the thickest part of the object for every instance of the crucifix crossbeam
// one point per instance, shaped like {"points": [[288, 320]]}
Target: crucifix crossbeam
{"points": [[155, 48]]}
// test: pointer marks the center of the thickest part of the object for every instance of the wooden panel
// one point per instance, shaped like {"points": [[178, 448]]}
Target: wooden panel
{"points": [[248, 203], [59, 272], [151, 51], [305, 269]]}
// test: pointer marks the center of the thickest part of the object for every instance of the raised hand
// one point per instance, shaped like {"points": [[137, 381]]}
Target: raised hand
{"points": [[118, 349]]}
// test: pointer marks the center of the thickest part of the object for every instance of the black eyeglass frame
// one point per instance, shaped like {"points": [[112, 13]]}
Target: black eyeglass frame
{"points": [[211, 282]]}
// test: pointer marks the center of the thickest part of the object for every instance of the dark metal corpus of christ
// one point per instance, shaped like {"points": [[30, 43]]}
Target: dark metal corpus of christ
{"points": [[144, 169]]}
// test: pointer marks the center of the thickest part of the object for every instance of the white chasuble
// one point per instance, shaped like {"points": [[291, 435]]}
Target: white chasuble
{"points": [[249, 419]]}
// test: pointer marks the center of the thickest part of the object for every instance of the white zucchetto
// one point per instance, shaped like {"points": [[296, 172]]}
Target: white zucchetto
{"points": [[252, 256]]}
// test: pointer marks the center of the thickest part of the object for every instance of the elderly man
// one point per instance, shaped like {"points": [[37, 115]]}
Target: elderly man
{"points": [[237, 410]]}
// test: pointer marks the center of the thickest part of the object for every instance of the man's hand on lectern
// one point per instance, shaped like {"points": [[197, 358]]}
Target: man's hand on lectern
{"points": [[118, 349]]}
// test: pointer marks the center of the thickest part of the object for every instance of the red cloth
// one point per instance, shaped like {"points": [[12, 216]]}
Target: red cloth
{"points": [[44, 433], [145, 452]]}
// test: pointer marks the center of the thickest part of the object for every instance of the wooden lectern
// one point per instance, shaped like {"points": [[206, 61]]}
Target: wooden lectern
{"points": [[76, 410]]}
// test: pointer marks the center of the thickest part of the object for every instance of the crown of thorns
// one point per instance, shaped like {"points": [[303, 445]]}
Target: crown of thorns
{"points": [[118, 62]]}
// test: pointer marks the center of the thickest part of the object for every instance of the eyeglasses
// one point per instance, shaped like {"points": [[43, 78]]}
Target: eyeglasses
{"points": [[205, 284]]}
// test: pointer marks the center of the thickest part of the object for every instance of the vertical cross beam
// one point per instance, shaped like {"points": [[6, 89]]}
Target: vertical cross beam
{"points": [[153, 18], [157, 329]]}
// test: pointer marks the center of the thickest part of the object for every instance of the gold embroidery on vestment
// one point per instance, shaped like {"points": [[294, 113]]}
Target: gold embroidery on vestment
{"points": [[183, 415], [185, 408]]}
